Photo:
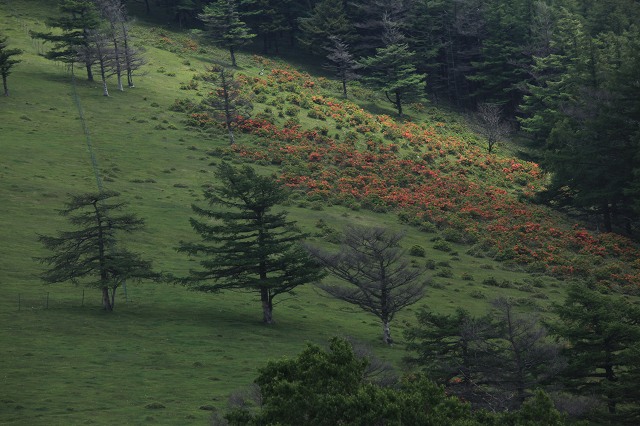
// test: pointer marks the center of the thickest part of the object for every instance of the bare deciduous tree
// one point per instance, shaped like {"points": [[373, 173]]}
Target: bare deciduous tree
{"points": [[342, 63], [491, 125], [379, 279], [227, 98]]}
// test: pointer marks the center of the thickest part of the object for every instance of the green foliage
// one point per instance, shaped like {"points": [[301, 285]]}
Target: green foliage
{"points": [[6, 61], [321, 387], [78, 18], [245, 246], [391, 70], [94, 251], [327, 19], [224, 26], [601, 332]]}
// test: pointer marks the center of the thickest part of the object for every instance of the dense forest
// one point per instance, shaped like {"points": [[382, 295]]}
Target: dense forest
{"points": [[558, 78]]}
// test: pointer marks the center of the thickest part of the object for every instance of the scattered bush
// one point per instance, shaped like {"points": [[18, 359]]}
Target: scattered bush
{"points": [[442, 246], [417, 251]]}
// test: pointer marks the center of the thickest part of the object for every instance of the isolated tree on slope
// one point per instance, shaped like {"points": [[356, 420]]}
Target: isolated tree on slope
{"points": [[93, 253], [227, 98], [244, 245], [6, 61], [379, 280]]}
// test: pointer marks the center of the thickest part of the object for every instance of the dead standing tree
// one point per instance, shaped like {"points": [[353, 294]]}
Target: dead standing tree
{"points": [[379, 280]]}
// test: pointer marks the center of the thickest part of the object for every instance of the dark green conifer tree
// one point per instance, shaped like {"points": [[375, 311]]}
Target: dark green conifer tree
{"points": [[79, 18], [224, 26], [392, 71], [602, 333], [245, 246], [6, 61], [94, 254], [328, 19]]}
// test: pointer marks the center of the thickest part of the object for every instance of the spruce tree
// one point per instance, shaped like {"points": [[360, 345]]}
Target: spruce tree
{"points": [[245, 246], [227, 99], [342, 63]]}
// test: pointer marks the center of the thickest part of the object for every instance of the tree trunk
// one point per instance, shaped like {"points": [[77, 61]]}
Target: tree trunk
{"points": [[103, 77], [386, 332], [4, 84], [606, 215], [399, 103], [89, 71], [344, 87], [106, 300], [267, 306], [233, 56]]}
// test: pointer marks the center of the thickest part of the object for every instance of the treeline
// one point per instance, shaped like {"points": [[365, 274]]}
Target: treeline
{"points": [[564, 72]]}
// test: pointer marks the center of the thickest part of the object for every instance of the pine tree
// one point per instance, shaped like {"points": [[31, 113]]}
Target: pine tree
{"points": [[244, 245], [94, 253], [6, 61], [224, 26], [392, 71]]}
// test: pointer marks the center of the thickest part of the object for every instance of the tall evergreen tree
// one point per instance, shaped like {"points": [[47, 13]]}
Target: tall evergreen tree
{"points": [[602, 333], [79, 18], [328, 19], [94, 253], [391, 70], [245, 246], [6, 61], [224, 26]]}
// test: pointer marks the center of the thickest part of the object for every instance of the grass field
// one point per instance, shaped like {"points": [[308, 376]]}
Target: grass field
{"points": [[165, 355]]}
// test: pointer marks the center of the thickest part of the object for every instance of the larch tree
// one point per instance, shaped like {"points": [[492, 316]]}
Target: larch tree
{"points": [[94, 254], [245, 246], [224, 26], [226, 99], [7, 61], [378, 279], [342, 63]]}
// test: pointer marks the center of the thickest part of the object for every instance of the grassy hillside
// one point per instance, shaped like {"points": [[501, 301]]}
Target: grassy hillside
{"points": [[167, 355]]}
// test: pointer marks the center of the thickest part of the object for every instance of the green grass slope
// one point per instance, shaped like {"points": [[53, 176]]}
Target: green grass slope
{"points": [[167, 355]]}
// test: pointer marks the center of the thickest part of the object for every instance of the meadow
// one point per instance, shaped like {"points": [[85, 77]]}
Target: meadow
{"points": [[167, 355]]}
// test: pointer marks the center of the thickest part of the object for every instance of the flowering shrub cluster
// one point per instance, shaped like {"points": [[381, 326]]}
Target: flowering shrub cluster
{"points": [[433, 177]]}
